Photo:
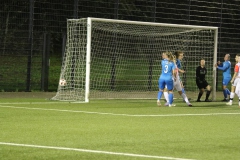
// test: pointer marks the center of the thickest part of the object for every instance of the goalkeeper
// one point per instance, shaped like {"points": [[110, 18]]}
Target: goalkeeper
{"points": [[202, 84]]}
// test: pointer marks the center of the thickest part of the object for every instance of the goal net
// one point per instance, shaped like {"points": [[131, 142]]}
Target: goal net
{"points": [[117, 59]]}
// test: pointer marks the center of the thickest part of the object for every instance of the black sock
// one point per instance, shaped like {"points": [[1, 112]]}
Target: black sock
{"points": [[208, 94], [199, 95]]}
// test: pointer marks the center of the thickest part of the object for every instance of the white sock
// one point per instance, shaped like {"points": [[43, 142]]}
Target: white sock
{"points": [[184, 96], [231, 96], [166, 96]]}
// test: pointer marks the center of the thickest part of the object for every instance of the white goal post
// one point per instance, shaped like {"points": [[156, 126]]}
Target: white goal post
{"points": [[118, 59]]}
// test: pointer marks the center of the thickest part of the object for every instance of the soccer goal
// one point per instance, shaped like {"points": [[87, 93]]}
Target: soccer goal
{"points": [[118, 59]]}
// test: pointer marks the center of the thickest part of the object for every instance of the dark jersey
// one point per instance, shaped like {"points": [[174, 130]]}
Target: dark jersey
{"points": [[200, 73]]}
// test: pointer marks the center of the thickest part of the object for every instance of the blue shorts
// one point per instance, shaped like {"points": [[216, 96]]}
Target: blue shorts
{"points": [[162, 83], [226, 81]]}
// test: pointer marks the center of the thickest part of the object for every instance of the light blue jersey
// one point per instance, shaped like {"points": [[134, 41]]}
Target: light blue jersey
{"points": [[166, 76], [226, 68], [166, 79]]}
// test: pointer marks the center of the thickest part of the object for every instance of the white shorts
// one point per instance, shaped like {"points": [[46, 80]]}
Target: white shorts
{"points": [[178, 85], [237, 90], [235, 82]]}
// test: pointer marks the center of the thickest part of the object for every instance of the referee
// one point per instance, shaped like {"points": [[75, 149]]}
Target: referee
{"points": [[202, 84]]}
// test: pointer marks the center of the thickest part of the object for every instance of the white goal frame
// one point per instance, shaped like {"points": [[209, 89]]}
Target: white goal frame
{"points": [[90, 20]]}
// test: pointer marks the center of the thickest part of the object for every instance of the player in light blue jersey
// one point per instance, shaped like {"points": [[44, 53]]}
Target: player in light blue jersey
{"points": [[226, 68], [178, 83], [166, 78]]}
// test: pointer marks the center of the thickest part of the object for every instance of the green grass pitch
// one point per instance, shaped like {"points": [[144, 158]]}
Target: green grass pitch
{"points": [[32, 127]]}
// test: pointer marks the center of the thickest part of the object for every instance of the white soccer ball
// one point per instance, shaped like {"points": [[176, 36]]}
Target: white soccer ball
{"points": [[62, 82]]}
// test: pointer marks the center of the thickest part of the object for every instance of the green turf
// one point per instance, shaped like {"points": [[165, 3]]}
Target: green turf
{"points": [[127, 126]]}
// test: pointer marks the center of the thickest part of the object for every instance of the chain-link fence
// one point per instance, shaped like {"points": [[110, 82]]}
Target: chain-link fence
{"points": [[33, 32]]}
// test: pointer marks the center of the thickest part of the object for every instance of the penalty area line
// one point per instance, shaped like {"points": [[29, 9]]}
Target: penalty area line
{"points": [[91, 151]]}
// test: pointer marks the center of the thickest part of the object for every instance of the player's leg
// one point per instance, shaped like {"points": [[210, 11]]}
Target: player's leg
{"points": [[183, 90], [178, 87], [184, 95], [161, 85], [226, 91], [239, 102], [232, 94], [165, 93], [201, 91], [170, 95], [170, 92], [209, 89], [237, 91]]}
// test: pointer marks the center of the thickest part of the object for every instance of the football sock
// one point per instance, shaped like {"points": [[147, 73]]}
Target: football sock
{"points": [[159, 95], [166, 96], [185, 98], [225, 93], [183, 91], [228, 92], [208, 94], [170, 96], [231, 97], [200, 95]]}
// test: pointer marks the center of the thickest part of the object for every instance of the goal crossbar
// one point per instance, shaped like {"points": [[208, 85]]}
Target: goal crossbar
{"points": [[109, 58]]}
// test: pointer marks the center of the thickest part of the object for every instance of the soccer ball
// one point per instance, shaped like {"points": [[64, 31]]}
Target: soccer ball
{"points": [[62, 82]]}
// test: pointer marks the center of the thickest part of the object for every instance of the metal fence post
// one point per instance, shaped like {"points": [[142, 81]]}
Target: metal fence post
{"points": [[30, 42], [45, 62]]}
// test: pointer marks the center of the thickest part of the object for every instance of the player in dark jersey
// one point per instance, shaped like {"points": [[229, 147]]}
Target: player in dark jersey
{"points": [[201, 82]]}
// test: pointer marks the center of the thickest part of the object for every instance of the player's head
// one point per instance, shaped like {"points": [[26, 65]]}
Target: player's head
{"points": [[179, 54], [169, 56], [236, 58], [164, 55], [202, 62], [227, 57]]}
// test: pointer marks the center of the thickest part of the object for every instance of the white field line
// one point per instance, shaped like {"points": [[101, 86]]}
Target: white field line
{"points": [[92, 151], [128, 115], [53, 102]]}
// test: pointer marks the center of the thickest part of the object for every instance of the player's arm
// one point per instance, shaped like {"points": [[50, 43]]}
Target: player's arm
{"points": [[174, 72], [179, 67], [224, 67], [181, 71], [218, 64]]}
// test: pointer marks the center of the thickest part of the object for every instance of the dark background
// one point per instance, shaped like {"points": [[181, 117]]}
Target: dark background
{"points": [[33, 32]]}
